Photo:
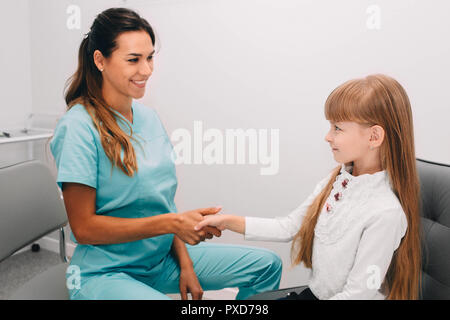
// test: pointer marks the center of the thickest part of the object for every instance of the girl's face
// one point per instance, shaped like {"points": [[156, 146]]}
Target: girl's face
{"points": [[129, 67], [349, 141]]}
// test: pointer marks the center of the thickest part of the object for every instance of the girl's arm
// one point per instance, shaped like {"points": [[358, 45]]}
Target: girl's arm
{"points": [[380, 239], [281, 229]]}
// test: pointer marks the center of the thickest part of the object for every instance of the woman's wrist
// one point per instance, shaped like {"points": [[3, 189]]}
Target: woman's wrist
{"points": [[180, 251], [186, 264], [174, 222]]}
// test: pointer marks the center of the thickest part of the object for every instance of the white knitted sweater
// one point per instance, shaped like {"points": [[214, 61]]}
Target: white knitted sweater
{"points": [[358, 230]]}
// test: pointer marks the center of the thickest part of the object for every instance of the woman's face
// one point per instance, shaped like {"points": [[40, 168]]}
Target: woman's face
{"points": [[349, 141], [130, 65]]}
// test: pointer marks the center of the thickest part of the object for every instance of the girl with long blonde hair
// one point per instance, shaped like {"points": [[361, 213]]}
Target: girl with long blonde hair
{"points": [[359, 230]]}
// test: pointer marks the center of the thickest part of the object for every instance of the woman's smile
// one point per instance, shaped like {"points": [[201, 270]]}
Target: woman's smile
{"points": [[139, 84]]}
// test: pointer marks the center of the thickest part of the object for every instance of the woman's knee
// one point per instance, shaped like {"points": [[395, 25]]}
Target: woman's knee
{"points": [[275, 262], [270, 260]]}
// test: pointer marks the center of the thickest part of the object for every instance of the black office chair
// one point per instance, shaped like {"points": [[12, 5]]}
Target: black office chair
{"points": [[435, 194], [31, 207], [435, 212]]}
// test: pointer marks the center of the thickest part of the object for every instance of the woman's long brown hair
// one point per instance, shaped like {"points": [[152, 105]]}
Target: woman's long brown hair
{"points": [[378, 100], [85, 85]]}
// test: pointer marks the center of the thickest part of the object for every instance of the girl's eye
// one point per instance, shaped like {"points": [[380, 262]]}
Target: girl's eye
{"points": [[150, 58], [336, 128]]}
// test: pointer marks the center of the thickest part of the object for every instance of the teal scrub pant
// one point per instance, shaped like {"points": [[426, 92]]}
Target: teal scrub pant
{"points": [[217, 266]]}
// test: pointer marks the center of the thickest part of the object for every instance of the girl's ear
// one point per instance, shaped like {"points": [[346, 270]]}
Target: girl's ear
{"points": [[376, 136]]}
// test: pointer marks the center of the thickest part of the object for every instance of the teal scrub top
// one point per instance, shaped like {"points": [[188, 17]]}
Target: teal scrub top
{"points": [[80, 158]]}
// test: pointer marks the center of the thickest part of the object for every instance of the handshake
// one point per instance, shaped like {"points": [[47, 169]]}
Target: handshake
{"points": [[188, 228]]}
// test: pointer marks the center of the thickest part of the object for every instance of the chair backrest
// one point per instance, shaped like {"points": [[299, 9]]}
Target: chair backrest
{"points": [[435, 211], [30, 205]]}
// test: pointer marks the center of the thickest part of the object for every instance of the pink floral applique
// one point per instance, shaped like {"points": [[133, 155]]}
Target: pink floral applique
{"points": [[344, 183], [338, 196]]}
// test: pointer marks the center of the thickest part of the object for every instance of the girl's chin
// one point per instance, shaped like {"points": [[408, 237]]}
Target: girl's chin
{"points": [[339, 160]]}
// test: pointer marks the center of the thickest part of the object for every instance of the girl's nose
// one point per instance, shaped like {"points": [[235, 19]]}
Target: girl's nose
{"points": [[328, 137]]}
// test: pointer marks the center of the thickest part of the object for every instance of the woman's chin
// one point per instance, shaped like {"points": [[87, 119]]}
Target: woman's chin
{"points": [[138, 95]]}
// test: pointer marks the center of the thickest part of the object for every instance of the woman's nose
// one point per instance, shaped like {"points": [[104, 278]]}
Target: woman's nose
{"points": [[146, 69]]}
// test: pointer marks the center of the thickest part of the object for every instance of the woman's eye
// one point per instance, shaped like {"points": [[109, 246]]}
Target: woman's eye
{"points": [[136, 59]]}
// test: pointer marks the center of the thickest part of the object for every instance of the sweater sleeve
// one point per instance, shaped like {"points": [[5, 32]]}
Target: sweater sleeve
{"points": [[379, 240], [281, 229]]}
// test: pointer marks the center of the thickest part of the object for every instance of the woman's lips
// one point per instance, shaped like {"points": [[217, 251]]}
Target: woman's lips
{"points": [[139, 84]]}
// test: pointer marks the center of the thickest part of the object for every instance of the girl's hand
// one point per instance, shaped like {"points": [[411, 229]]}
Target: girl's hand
{"points": [[222, 222], [189, 283], [218, 220]]}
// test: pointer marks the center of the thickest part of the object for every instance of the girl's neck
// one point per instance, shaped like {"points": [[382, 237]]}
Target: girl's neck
{"points": [[368, 168]]}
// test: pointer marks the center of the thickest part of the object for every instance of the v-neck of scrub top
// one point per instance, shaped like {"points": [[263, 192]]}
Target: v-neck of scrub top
{"points": [[133, 124]]}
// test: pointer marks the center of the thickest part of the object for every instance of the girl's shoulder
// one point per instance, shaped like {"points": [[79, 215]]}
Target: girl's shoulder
{"points": [[387, 209], [384, 197]]}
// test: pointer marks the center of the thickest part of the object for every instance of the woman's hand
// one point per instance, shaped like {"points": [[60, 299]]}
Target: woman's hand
{"points": [[186, 222], [189, 283]]}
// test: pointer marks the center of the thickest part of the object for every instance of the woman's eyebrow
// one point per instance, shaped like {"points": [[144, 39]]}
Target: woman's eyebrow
{"points": [[139, 54]]}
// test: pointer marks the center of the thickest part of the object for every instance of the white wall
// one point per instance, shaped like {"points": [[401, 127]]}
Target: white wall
{"points": [[15, 64], [256, 64]]}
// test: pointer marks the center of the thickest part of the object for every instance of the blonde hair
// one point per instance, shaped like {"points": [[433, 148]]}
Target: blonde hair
{"points": [[378, 100]]}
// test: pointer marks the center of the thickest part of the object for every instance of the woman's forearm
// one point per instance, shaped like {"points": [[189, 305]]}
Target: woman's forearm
{"points": [[109, 230], [180, 251]]}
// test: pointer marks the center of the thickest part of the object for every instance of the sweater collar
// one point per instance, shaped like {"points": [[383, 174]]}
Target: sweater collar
{"points": [[376, 178]]}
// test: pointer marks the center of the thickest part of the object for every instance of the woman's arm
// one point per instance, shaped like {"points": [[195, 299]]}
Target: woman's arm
{"points": [[90, 228], [188, 279]]}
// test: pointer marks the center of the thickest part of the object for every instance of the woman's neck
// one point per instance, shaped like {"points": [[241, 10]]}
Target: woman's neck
{"points": [[118, 102]]}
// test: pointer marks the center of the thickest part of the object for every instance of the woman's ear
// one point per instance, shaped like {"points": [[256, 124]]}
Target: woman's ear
{"points": [[99, 60], [376, 136]]}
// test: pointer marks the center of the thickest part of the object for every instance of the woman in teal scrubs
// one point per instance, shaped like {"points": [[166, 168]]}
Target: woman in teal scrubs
{"points": [[118, 179]]}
